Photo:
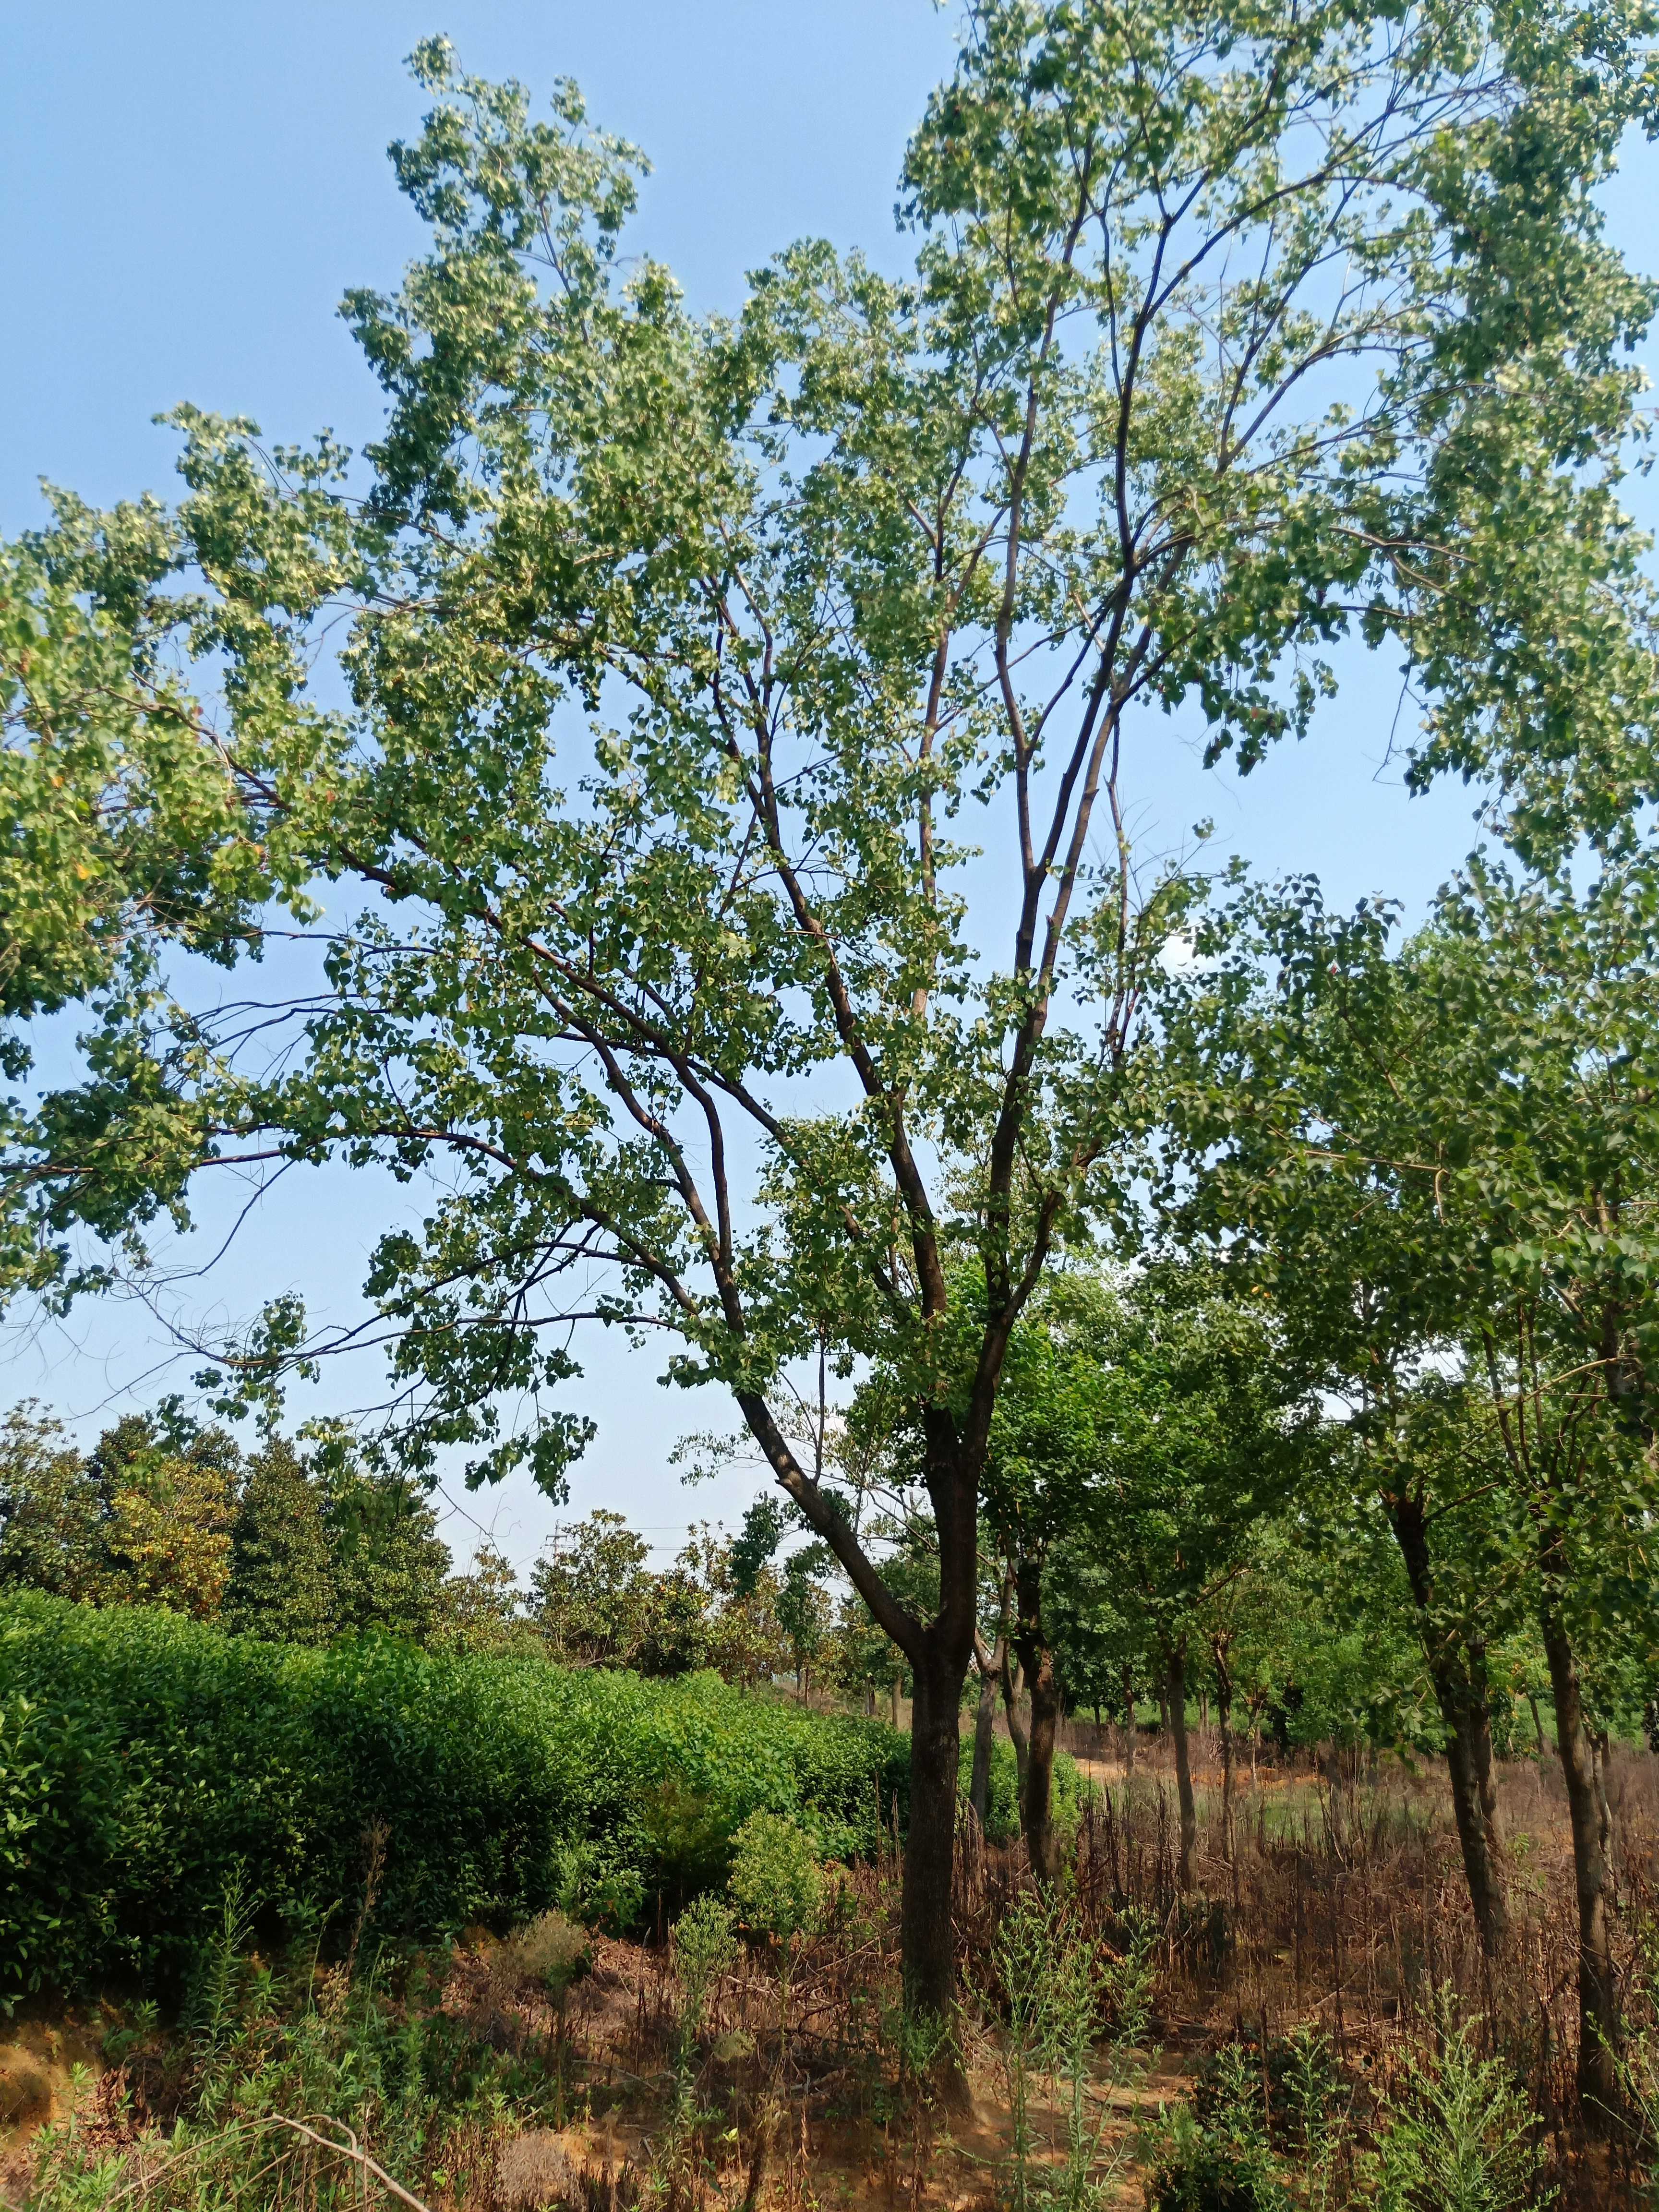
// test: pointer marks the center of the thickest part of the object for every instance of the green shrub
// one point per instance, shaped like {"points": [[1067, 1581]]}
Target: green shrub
{"points": [[1214, 2155], [776, 1882], [144, 1756]]}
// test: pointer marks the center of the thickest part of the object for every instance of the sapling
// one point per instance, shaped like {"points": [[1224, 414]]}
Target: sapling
{"points": [[705, 1943]]}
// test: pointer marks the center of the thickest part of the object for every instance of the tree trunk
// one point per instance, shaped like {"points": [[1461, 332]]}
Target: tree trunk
{"points": [[1174, 1697], [898, 1685], [1036, 1664], [1467, 1718], [1013, 1681], [1537, 1725], [1598, 2012], [1474, 1804], [1128, 1726], [985, 1721], [1223, 1714], [929, 1946], [1598, 1743]]}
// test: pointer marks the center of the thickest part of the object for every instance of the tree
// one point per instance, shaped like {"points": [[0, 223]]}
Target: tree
{"points": [[167, 1486], [52, 1512], [1454, 1147], [281, 1582], [480, 1610], [590, 1592], [387, 1563], [710, 1008], [1044, 1460], [1194, 1439]]}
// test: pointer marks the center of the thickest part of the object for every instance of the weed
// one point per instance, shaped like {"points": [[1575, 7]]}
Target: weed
{"points": [[1458, 2134]]}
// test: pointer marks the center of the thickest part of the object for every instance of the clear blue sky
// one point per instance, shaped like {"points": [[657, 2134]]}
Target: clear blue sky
{"points": [[187, 190]]}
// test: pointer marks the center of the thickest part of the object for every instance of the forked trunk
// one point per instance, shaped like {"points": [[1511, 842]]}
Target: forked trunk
{"points": [[1036, 1664], [1474, 1804], [1176, 1705], [1467, 1718], [929, 1852], [1598, 2007]]}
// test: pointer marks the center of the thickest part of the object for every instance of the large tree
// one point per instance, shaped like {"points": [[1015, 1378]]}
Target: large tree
{"points": [[690, 662]]}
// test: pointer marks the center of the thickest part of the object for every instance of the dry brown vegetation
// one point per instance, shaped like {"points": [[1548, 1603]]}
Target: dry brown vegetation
{"points": [[1339, 1904]]}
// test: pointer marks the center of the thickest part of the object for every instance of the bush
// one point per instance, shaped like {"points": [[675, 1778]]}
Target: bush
{"points": [[1214, 2155], [776, 1882], [546, 1955], [145, 1757]]}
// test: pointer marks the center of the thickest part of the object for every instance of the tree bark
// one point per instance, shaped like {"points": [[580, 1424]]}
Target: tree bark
{"points": [[1466, 1716], [1013, 1682], [1129, 1725], [1223, 1714], [1036, 1664], [984, 1719], [1599, 1750], [929, 1948], [1598, 2008], [1176, 1705]]}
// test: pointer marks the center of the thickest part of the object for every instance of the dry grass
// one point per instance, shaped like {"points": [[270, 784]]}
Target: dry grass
{"points": [[1339, 1903]]}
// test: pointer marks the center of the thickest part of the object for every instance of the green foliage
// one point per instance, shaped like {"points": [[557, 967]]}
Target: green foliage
{"points": [[776, 1882], [386, 1560], [50, 1508], [705, 1943], [146, 1519], [683, 655], [166, 1512], [597, 1603], [1268, 2131], [1459, 2136], [1052, 1992], [1221, 2164], [280, 1584], [145, 1755]]}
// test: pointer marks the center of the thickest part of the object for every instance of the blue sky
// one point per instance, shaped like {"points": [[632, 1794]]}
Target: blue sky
{"points": [[188, 189]]}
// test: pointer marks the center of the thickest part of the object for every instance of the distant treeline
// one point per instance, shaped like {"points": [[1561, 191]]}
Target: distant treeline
{"points": [[300, 1542]]}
